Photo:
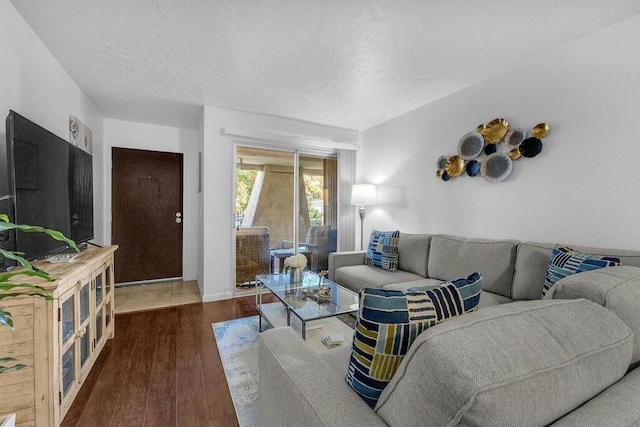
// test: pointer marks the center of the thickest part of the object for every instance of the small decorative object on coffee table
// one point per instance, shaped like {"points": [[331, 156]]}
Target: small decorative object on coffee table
{"points": [[295, 264], [324, 292], [322, 274]]}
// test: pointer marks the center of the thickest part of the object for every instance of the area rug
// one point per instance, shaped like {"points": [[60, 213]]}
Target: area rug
{"points": [[238, 345]]}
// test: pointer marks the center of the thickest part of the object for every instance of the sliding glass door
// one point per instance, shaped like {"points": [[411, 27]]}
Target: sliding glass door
{"points": [[286, 203]]}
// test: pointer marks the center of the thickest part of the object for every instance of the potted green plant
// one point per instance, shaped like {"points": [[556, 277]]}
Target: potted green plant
{"points": [[11, 288]]}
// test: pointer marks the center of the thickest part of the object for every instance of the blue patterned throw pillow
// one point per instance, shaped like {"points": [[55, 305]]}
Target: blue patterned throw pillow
{"points": [[383, 249], [388, 323], [565, 261]]}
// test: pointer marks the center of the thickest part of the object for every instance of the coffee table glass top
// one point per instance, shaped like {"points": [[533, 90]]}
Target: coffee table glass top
{"points": [[302, 298]]}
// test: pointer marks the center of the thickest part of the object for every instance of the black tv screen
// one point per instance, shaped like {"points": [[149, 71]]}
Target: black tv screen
{"points": [[80, 194], [48, 182]]}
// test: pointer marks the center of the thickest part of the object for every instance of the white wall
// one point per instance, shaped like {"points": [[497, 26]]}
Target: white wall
{"points": [[218, 201], [582, 188], [200, 206], [35, 85], [122, 134]]}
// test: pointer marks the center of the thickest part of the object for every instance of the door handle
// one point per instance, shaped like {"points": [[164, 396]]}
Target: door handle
{"points": [[178, 217]]}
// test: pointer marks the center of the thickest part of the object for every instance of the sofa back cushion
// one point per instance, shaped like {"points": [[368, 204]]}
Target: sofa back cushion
{"points": [[452, 256], [532, 262], [529, 360], [615, 288], [413, 253]]}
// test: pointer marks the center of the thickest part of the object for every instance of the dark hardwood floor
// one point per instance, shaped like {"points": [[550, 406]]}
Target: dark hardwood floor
{"points": [[162, 368]]}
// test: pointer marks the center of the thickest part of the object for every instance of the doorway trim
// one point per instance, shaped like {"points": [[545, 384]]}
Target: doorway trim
{"points": [[164, 172], [140, 136], [346, 176]]}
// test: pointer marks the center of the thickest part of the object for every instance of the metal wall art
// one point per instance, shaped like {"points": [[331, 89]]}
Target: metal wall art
{"points": [[501, 146]]}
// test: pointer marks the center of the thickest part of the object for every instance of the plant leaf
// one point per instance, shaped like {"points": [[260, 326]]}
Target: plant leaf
{"points": [[16, 257], [11, 368], [6, 286], [5, 319], [5, 225], [4, 277], [31, 294]]}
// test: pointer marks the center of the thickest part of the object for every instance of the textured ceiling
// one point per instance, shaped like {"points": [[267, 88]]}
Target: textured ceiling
{"points": [[347, 63]]}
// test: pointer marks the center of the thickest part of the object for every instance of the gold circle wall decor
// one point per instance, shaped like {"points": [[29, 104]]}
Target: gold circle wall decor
{"points": [[455, 166], [496, 130], [514, 154], [540, 130]]}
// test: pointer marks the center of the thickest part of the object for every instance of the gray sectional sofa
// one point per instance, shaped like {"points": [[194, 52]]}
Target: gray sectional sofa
{"points": [[568, 360], [511, 270]]}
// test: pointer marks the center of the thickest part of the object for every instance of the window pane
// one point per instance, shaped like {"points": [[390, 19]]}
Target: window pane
{"points": [[265, 205]]}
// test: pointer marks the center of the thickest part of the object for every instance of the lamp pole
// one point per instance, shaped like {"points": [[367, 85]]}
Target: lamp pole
{"points": [[362, 195], [361, 211]]}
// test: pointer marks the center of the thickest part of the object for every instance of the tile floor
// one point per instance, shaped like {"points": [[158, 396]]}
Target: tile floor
{"points": [[157, 295]]}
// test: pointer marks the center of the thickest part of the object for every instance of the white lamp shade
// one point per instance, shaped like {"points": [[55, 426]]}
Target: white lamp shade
{"points": [[363, 194]]}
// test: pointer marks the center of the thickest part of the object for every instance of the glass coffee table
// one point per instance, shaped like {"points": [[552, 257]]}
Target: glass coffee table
{"points": [[303, 300]]}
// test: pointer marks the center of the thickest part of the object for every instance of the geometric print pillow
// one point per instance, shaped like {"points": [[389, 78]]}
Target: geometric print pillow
{"points": [[382, 250], [389, 321], [565, 261]]}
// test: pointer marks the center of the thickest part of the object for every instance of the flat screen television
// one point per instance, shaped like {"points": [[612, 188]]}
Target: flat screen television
{"points": [[44, 181]]}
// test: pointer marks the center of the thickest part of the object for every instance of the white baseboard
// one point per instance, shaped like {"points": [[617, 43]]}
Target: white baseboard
{"points": [[217, 297]]}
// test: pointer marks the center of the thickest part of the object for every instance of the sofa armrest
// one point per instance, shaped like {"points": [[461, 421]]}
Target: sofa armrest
{"points": [[297, 387], [343, 259]]}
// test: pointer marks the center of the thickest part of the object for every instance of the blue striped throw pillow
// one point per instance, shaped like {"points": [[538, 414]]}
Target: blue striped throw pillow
{"points": [[388, 323], [383, 249], [565, 261]]}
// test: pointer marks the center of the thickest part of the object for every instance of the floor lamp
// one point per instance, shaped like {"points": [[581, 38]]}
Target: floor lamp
{"points": [[361, 196]]}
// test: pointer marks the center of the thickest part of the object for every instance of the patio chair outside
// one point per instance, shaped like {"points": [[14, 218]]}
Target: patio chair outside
{"points": [[252, 254]]}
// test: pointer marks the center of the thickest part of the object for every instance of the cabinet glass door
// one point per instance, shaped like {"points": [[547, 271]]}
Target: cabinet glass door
{"points": [[98, 287], [85, 324], [107, 279], [99, 327], [68, 371], [84, 302], [68, 319], [108, 309]]}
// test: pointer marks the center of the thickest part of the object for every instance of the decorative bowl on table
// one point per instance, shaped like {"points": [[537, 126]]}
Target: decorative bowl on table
{"points": [[309, 292], [324, 293], [295, 301]]}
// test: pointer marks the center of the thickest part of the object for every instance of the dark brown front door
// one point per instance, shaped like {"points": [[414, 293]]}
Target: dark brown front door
{"points": [[146, 201]]}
